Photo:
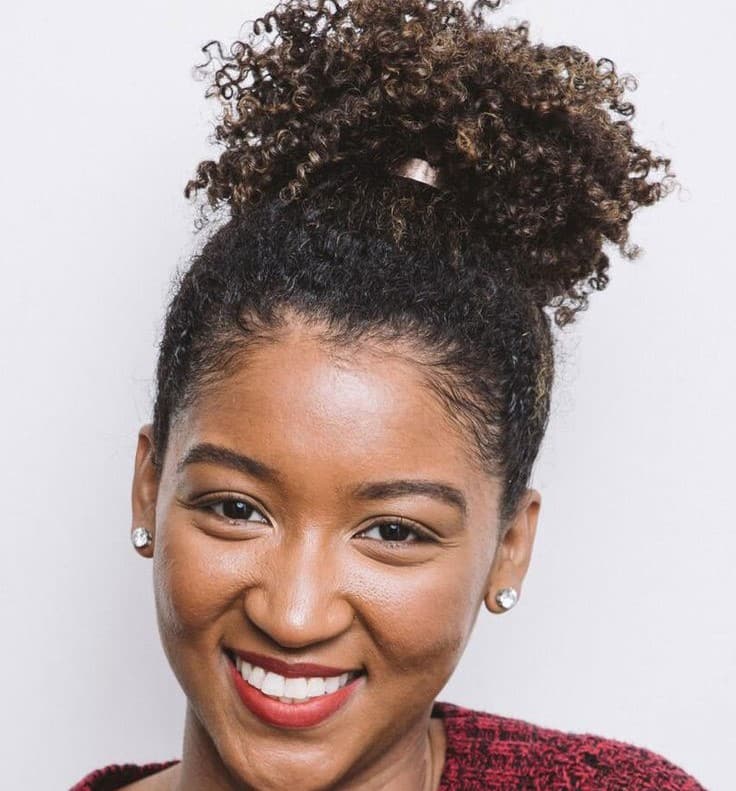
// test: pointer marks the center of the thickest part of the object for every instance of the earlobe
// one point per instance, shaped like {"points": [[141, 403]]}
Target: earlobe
{"points": [[513, 555], [505, 599], [141, 537], [144, 493]]}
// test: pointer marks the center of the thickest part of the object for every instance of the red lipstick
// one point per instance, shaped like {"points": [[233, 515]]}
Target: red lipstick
{"points": [[307, 714], [290, 669]]}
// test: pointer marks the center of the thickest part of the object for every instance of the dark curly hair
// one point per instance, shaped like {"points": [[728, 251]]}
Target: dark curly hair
{"points": [[539, 168]]}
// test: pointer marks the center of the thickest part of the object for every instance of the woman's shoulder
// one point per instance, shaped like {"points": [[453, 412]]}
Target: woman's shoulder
{"points": [[488, 751], [120, 776]]}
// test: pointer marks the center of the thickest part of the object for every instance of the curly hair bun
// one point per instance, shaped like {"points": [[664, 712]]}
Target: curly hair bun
{"points": [[535, 145]]}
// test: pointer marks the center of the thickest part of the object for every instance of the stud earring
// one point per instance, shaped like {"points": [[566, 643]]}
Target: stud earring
{"points": [[141, 538], [506, 598]]}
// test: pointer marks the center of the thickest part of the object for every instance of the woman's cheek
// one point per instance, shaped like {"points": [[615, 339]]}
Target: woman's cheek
{"points": [[196, 578], [421, 617]]}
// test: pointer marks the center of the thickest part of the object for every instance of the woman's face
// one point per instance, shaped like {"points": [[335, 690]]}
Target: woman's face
{"points": [[322, 510]]}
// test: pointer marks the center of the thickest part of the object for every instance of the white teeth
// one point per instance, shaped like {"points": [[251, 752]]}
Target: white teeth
{"points": [[255, 679], [295, 688], [289, 690], [273, 685], [315, 687]]}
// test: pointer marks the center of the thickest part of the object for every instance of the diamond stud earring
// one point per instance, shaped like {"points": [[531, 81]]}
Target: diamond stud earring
{"points": [[506, 598], [141, 538]]}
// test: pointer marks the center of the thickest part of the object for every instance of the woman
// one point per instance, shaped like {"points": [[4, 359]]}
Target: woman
{"points": [[353, 385]]}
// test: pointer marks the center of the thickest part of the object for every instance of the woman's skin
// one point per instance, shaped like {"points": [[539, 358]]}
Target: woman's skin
{"points": [[310, 578]]}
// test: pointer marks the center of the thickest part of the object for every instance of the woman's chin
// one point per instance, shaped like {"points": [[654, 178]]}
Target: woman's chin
{"points": [[268, 744]]}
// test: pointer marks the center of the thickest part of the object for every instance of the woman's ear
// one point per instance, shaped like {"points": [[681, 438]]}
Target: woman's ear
{"points": [[514, 551], [145, 488]]}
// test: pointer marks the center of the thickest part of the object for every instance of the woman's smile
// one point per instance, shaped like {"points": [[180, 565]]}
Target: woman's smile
{"points": [[297, 695]]}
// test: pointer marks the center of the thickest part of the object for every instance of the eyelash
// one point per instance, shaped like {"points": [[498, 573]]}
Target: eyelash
{"points": [[419, 535], [213, 504]]}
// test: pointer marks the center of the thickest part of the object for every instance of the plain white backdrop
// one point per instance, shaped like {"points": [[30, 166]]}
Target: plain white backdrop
{"points": [[626, 625]]}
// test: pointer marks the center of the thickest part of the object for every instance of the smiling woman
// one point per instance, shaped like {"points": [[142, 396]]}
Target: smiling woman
{"points": [[353, 385]]}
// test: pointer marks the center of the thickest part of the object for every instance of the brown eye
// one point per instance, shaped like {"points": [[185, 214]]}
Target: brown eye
{"points": [[237, 510], [392, 532]]}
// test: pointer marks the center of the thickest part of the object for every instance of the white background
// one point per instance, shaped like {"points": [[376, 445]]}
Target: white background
{"points": [[626, 624]]}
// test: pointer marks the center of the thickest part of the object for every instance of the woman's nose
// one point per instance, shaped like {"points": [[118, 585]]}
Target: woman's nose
{"points": [[299, 599]]}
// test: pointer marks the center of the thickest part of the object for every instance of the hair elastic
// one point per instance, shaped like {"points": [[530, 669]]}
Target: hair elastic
{"points": [[419, 170]]}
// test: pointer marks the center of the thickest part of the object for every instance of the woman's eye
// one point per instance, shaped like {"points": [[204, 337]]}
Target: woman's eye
{"points": [[237, 510], [392, 532]]}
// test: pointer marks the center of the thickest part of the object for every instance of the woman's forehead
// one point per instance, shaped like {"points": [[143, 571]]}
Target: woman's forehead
{"points": [[294, 402], [297, 387]]}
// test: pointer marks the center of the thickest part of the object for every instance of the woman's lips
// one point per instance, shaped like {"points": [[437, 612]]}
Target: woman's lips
{"points": [[289, 669], [313, 700]]}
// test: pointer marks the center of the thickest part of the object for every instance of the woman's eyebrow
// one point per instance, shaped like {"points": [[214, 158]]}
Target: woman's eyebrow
{"points": [[383, 490], [207, 453]]}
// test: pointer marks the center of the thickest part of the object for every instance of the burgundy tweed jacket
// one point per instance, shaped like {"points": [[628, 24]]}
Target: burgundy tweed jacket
{"points": [[487, 752]]}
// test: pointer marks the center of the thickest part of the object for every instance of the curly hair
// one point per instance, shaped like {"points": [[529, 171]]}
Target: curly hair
{"points": [[539, 170]]}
